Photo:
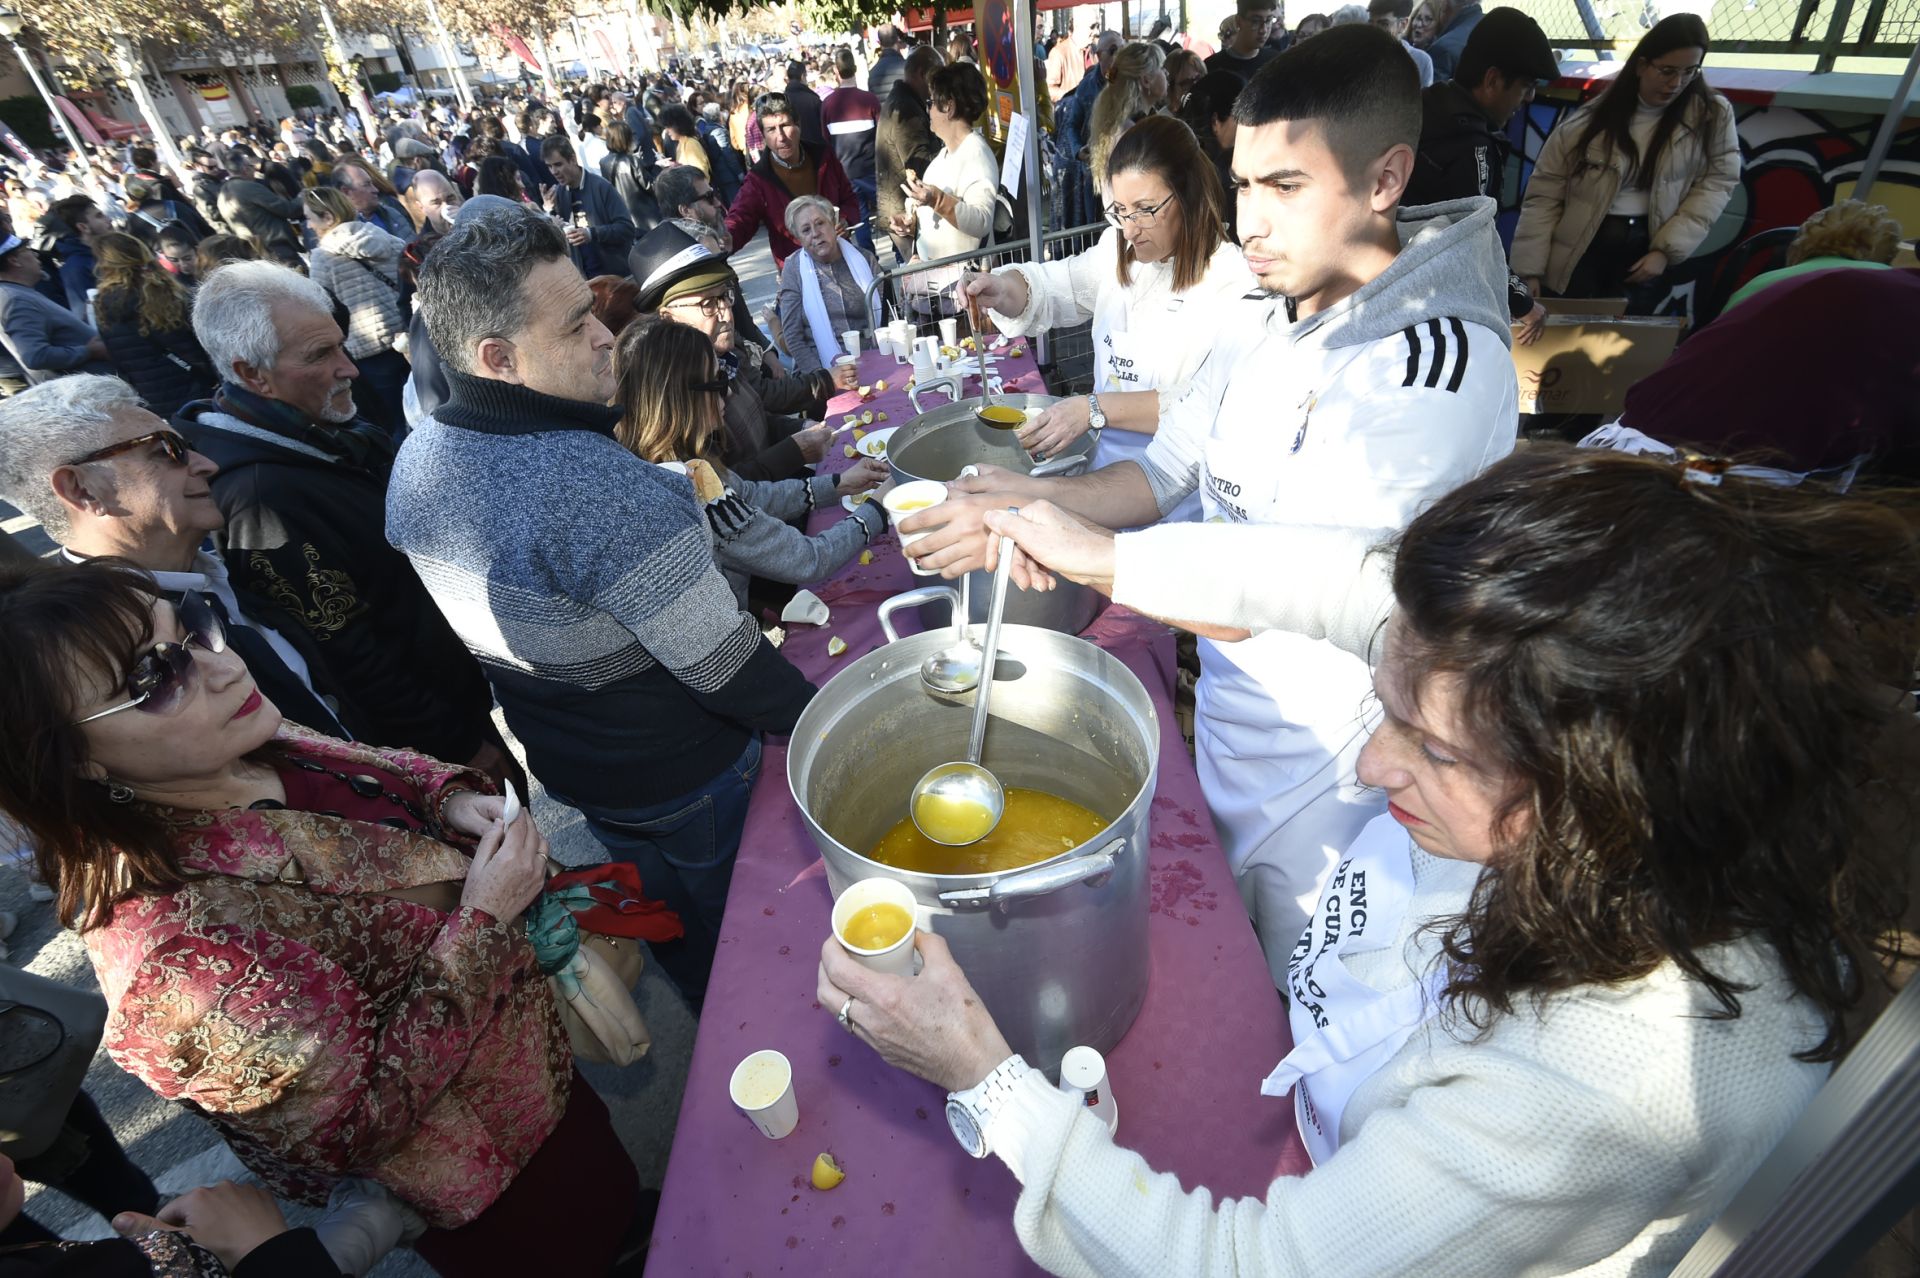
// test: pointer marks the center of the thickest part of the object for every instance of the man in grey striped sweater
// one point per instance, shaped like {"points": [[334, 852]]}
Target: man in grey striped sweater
{"points": [[581, 576]]}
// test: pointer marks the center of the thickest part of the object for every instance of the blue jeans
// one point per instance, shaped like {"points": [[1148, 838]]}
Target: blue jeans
{"points": [[684, 850], [866, 191]]}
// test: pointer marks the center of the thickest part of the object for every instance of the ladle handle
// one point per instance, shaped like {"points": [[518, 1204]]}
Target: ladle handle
{"points": [[990, 652]]}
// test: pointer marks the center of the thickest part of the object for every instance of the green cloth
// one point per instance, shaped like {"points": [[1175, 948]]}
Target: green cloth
{"points": [[1761, 281], [555, 934]]}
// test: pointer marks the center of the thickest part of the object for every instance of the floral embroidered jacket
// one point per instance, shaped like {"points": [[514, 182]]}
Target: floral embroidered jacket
{"points": [[328, 1030]]}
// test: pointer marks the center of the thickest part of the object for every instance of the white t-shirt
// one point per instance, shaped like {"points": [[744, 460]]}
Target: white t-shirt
{"points": [[1631, 199]]}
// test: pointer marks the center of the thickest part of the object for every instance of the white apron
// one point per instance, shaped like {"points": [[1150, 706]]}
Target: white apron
{"points": [[1345, 1030], [1123, 360], [1279, 718]]}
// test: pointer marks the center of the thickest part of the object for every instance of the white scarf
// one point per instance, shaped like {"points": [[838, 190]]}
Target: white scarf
{"points": [[825, 339]]}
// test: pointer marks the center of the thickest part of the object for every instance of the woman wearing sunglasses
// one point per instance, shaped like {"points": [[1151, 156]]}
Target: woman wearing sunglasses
{"points": [[314, 944], [1150, 286], [672, 397], [1628, 186]]}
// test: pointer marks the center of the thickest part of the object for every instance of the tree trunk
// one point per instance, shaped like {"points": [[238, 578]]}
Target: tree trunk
{"points": [[131, 63]]}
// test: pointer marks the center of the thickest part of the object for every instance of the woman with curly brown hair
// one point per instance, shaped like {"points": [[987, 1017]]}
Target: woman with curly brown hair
{"points": [[1845, 234], [1560, 1001]]}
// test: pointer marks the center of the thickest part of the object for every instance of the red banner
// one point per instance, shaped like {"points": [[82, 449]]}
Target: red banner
{"points": [[518, 47]]}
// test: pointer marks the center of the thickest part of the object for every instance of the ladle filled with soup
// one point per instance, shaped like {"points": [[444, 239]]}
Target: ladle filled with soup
{"points": [[1036, 827]]}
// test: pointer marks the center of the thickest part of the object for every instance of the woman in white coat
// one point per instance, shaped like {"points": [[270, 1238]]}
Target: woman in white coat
{"points": [[1629, 185], [1151, 286], [359, 266], [1599, 955]]}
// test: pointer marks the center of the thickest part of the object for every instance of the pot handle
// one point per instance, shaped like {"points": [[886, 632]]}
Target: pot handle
{"points": [[913, 599], [1039, 882], [1064, 464]]}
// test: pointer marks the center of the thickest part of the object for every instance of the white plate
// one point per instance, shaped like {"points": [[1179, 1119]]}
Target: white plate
{"points": [[872, 443], [856, 500]]}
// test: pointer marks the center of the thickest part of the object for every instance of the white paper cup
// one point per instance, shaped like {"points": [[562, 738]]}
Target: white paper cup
{"points": [[850, 341], [762, 1087], [926, 355], [923, 493], [950, 331], [895, 959], [902, 331]]}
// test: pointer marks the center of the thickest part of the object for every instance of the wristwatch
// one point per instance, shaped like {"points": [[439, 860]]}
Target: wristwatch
{"points": [[969, 1112], [1096, 420]]}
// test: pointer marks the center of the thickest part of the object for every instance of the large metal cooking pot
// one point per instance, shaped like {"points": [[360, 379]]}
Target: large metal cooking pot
{"points": [[938, 444], [1058, 950]]}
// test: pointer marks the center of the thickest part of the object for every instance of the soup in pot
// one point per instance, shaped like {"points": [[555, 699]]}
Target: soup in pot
{"points": [[1035, 827]]}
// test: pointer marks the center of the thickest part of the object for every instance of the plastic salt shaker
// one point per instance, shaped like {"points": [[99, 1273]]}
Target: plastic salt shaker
{"points": [[1083, 1073]]}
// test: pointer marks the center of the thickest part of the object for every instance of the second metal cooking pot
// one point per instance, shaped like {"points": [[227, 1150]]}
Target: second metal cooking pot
{"points": [[938, 444], [1058, 950]]}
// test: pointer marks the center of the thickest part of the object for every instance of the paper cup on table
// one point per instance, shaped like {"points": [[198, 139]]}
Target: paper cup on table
{"points": [[870, 904], [950, 331], [850, 341], [926, 355], [762, 1087], [909, 499], [902, 331], [805, 608]]}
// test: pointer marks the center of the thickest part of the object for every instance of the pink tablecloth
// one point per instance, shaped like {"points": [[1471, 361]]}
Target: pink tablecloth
{"points": [[1187, 1076]]}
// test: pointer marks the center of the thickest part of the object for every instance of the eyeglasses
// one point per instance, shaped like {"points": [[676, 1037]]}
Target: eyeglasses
{"points": [[1670, 74], [172, 445], [711, 307], [704, 196], [717, 386], [157, 680], [1144, 215]]}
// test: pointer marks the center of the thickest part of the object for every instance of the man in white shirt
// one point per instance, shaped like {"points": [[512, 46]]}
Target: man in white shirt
{"points": [[107, 477], [1368, 376]]}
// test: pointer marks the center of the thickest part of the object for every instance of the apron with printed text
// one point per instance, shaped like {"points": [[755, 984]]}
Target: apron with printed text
{"points": [[1344, 1030], [1123, 360]]}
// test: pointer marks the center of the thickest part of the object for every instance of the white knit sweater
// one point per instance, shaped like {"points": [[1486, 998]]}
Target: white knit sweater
{"points": [[1598, 1136]]}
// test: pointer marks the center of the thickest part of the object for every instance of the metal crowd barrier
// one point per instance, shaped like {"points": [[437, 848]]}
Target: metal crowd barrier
{"points": [[922, 294]]}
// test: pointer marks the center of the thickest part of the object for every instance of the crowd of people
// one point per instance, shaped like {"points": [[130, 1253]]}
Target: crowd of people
{"points": [[367, 431]]}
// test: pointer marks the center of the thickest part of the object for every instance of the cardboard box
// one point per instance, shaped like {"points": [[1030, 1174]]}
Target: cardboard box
{"points": [[1585, 363], [1584, 305]]}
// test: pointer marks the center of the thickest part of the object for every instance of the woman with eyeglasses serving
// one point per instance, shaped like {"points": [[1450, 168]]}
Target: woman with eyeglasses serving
{"points": [[1153, 286], [1629, 185], [316, 945]]}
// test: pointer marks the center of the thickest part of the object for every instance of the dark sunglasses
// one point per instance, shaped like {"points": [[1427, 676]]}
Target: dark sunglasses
{"points": [[157, 679], [718, 386], [173, 446]]}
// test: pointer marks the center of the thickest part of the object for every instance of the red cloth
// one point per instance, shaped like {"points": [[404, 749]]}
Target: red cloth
{"points": [[323, 792], [623, 909], [567, 1212], [1187, 1074], [763, 202], [1807, 373]]}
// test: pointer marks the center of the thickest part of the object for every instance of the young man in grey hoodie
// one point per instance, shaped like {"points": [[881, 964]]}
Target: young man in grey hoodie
{"points": [[1369, 375]]}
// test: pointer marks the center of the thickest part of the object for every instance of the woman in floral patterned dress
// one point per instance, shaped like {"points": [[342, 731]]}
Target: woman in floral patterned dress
{"points": [[314, 944]]}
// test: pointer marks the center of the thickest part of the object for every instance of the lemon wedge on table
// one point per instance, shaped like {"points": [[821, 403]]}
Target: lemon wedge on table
{"points": [[826, 1172], [836, 646]]}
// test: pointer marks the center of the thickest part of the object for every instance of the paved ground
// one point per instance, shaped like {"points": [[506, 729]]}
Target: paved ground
{"points": [[181, 1151]]}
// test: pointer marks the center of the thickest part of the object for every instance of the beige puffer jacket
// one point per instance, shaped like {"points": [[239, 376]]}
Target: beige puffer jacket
{"points": [[1566, 201], [359, 266]]}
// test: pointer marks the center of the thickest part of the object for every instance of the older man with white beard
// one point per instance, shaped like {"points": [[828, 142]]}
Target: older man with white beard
{"points": [[303, 486]]}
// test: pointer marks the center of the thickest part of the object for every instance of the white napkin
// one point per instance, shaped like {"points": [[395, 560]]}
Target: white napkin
{"points": [[805, 607]]}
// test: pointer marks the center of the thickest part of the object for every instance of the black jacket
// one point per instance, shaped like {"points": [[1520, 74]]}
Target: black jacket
{"points": [[760, 416], [206, 198], [306, 529], [805, 104], [905, 141], [884, 74], [632, 181], [605, 217], [166, 368], [255, 213], [1461, 155]]}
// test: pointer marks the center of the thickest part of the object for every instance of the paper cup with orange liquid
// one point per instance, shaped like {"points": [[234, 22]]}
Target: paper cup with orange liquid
{"points": [[874, 921], [910, 498]]}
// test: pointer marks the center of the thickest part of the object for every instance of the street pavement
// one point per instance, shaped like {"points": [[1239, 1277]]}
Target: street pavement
{"points": [[180, 1150]]}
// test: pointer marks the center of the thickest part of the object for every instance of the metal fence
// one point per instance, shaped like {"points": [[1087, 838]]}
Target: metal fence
{"points": [[1824, 29], [922, 294]]}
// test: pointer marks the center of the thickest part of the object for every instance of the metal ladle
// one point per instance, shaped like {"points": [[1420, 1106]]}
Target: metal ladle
{"points": [[955, 669], [964, 787]]}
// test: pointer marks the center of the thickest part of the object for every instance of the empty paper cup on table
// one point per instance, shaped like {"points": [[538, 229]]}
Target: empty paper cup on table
{"points": [[902, 331], [850, 341], [874, 921], [762, 1086], [908, 499], [926, 355], [950, 331], [805, 608]]}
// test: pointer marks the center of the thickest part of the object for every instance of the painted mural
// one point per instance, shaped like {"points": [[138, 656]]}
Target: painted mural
{"points": [[1794, 161]]}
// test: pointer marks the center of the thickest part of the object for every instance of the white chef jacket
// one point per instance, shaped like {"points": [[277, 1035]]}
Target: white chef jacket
{"points": [[1145, 336]]}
